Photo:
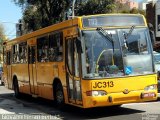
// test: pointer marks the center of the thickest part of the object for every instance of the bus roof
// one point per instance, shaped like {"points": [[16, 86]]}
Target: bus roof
{"points": [[69, 23], [113, 20], [49, 29]]}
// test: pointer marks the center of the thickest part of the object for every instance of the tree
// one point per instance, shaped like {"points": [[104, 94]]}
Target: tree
{"points": [[2, 35], [143, 12], [124, 8], [136, 11], [31, 19], [2, 39], [41, 13], [1, 31], [91, 7], [121, 8]]}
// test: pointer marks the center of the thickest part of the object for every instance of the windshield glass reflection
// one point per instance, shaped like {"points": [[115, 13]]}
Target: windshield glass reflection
{"points": [[103, 59]]}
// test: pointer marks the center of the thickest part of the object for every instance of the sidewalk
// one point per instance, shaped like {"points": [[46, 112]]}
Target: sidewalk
{"points": [[9, 106], [158, 95], [12, 108]]}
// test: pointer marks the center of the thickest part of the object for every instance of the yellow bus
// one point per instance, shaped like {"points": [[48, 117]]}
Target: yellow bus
{"points": [[89, 61]]}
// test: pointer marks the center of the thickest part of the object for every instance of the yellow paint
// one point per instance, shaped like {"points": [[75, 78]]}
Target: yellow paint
{"points": [[42, 75]]}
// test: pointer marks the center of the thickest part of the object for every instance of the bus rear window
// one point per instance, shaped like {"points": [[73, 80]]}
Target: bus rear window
{"points": [[113, 21]]}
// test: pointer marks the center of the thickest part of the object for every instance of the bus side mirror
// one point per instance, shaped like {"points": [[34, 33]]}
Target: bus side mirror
{"points": [[152, 34], [79, 46], [78, 41], [150, 26]]}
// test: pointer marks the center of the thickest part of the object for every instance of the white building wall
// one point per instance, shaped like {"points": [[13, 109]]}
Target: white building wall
{"points": [[157, 15], [142, 5]]}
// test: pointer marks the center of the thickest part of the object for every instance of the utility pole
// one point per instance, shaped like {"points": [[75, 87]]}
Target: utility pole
{"points": [[73, 6], [19, 28]]}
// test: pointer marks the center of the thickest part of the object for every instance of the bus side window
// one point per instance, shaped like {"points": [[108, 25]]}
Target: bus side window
{"points": [[23, 52], [59, 46], [4, 57], [8, 58], [42, 44], [52, 46], [15, 53], [55, 47], [31, 55]]}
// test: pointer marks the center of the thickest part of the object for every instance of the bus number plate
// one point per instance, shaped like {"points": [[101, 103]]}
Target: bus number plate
{"points": [[103, 84]]}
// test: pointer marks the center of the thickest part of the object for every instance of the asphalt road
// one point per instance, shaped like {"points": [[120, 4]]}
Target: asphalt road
{"points": [[28, 105]]}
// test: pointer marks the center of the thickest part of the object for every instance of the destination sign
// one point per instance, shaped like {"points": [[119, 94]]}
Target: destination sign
{"points": [[113, 21]]}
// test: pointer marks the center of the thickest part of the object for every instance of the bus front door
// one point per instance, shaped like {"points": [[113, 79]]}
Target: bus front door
{"points": [[32, 71], [9, 70], [73, 72]]}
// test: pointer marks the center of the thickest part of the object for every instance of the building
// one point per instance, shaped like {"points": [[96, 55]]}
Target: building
{"points": [[131, 3], [153, 17], [142, 5]]}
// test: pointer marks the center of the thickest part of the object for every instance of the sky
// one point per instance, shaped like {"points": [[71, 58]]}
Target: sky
{"points": [[9, 15]]}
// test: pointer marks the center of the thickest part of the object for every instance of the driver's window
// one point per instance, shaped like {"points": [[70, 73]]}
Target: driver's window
{"points": [[72, 57], [105, 60], [76, 59]]}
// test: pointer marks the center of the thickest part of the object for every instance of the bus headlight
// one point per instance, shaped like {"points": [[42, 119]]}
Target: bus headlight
{"points": [[151, 87], [96, 93]]}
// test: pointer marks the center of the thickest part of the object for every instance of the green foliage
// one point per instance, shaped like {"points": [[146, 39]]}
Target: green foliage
{"points": [[137, 11], [91, 7], [31, 18], [143, 12], [41, 13], [124, 8], [2, 39], [121, 8], [134, 11], [2, 36]]}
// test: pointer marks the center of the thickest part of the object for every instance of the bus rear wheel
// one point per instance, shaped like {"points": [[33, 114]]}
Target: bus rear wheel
{"points": [[59, 96], [16, 89]]}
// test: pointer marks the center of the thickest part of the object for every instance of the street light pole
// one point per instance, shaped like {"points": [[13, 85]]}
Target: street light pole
{"points": [[73, 5]]}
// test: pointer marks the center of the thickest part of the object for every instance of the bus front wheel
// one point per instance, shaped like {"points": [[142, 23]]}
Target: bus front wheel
{"points": [[59, 96], [16, 89]]}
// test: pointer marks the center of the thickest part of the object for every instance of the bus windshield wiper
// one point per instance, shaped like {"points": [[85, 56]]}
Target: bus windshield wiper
{"points": [[104, 33], [126, 36]]}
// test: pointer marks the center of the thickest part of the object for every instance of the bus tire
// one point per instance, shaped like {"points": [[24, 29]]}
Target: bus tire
{"points": [[16, 89], [59, 96]]}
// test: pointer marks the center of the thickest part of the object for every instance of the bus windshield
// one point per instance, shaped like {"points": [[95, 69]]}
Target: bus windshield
{"points": [[124, 56]]}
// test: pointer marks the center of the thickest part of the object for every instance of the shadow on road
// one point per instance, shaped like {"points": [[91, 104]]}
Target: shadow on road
{"points": [[71, 112], [97, 113]]}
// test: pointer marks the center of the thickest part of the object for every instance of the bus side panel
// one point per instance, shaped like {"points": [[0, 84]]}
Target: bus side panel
{"points": [[119, 90], [6, 81], [45, 75], [62, 78], [21, 72]]}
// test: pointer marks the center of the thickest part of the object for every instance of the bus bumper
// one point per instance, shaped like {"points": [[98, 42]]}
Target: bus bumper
{"points": [[119, 98]]}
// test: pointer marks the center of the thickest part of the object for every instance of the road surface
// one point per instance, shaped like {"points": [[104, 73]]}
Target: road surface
{"points": [[31, 106]]}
